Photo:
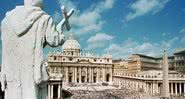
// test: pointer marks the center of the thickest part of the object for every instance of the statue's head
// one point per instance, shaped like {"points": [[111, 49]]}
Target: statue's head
{"points": [[37, 3]]}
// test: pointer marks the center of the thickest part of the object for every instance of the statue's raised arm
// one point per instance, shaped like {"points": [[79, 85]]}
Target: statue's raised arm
{"points": [[65, 20], [64, 23]]}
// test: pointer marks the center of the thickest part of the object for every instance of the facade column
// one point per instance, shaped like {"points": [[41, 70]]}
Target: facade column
{"points": [[80, 75], [110, 74], [171, 88], [180, 91], [175, 88], [140, 85], [154, 88], [123, 83], [184, 88], [73, 80], [157, 87], [103, 74], [59, 92], [49, 92], [128, 83], [146, 88], [67, 79], [97, 77], [132, 84], [75, 74], [90, 73], [86, 74], [136, 85], [151, 88]]}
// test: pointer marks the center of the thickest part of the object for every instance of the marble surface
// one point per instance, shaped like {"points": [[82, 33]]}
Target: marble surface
{"points": [[25, 32]]}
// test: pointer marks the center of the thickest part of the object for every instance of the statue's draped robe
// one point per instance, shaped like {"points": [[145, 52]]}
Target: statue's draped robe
{"points": [[25, 31]]}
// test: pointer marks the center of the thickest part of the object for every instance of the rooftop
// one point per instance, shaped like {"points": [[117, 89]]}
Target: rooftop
{"points": [[180, 52], [155, 58]]}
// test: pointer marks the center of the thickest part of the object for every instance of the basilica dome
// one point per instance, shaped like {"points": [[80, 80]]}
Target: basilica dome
{"points": [[71, 44]]}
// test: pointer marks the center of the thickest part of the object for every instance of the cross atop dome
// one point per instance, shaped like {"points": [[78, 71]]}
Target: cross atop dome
{"points": [[71, 37]]}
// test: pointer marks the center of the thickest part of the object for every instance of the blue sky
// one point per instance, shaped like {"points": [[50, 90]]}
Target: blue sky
{"points": [[120, 27]]}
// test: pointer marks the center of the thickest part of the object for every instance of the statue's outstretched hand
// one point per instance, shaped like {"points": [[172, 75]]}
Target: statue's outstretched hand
{"points": [[42, 75]]}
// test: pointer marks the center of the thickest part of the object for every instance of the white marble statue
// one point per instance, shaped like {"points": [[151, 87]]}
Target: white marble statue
{"points": [[25, 32]]}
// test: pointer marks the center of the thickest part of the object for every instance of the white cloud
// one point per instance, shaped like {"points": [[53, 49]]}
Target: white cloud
{"points": [[98, 41], [100, 37], [183, 39], [109, 4], [56, 17], [141, 7], [164, 34], [182, 30], [90, 28], [130, 46], [104, 5], [67, 3], [90, 20]]}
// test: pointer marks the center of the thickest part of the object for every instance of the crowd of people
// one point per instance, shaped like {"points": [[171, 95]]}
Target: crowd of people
{"points": [[122, 93]]}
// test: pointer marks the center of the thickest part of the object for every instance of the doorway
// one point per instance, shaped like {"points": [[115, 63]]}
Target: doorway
{"points": [[83, 79], [107, 77]]}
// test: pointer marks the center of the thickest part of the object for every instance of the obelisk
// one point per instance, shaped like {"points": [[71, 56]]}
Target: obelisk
{"points": [[165, 86]]}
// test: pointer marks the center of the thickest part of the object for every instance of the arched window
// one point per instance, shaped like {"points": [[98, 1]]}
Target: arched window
{"points": [[55, 58], [94, 60], [107, 60], [70, 59]]}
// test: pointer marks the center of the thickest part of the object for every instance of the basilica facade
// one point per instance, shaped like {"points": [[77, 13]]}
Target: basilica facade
{"points": [[75, 67]]}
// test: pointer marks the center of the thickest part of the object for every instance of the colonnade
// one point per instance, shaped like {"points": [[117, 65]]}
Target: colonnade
{"points": [[152, 87], [177, 88], [54, 91]]}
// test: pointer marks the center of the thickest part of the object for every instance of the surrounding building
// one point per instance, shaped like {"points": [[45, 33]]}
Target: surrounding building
{"points": [[138, 62], [179, 61], [148, 75], [74, 67], [120, 66], [143, 62]]}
